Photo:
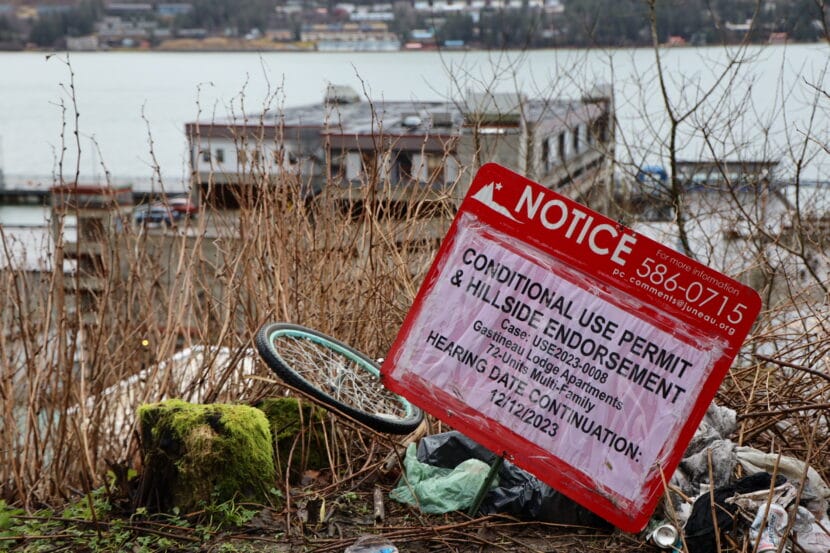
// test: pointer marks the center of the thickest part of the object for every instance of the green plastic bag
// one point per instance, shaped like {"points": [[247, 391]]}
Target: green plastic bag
{"points": [[438, 490]]}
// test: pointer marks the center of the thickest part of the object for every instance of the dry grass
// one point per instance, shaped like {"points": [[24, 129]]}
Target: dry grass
{"points": [[351, 273], [212, 280]]}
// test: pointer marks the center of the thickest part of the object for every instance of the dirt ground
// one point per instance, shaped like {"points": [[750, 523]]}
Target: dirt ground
{"points": [[411, 533]]}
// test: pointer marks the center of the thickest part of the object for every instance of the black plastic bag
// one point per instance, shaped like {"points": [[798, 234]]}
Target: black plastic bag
{"points": [[519, 493], [700, 528]]}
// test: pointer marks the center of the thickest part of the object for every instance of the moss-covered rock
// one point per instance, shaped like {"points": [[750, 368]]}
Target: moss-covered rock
{"points": [[204, 454], [298, 434]]}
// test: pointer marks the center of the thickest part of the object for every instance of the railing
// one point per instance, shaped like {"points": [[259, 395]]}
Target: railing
{"points": [[139, 184], [84, 197]]}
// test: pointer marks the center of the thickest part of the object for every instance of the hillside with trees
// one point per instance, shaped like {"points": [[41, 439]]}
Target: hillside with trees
{"points": [[568, 23]]}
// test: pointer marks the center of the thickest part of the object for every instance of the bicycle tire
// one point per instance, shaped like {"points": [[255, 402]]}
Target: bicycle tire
{"points": [[336, 376]]}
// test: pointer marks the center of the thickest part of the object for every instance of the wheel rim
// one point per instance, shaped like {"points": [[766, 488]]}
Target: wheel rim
{"points": [[338, 372]]}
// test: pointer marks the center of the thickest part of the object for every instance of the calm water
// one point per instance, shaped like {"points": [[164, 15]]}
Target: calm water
{"points": [[126, 101]]}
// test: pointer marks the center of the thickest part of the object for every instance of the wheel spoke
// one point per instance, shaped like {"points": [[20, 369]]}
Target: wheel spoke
{"points": [[343, 378]]}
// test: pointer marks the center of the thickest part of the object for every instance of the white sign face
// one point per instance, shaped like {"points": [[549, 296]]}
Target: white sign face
{"points": [[563, 367], [583, 352]]}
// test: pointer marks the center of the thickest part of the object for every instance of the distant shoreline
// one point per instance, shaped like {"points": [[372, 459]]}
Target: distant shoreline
{"points": [[293, 48]]}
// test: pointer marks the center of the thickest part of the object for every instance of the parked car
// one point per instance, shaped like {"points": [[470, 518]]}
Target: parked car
{"points": [[183, 205], [156, 213]]}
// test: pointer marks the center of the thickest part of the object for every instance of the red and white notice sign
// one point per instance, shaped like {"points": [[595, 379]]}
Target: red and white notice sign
{"points": [[583, 352]]}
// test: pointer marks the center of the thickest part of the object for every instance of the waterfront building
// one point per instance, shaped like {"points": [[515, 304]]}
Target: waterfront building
{"points": [[88, 43], [404, 147], [367, 36], [115, 30], [173, 9], [456, 6]]}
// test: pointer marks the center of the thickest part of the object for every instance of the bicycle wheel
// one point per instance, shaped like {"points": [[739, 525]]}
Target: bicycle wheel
{"points": [[335, 375]]}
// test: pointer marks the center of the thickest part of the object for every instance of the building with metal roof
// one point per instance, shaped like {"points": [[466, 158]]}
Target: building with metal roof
{"points": [[346, 141]]}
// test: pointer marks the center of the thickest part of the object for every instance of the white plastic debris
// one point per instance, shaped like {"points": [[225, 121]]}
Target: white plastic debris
{"points": [[768, 528], [754, 461]]}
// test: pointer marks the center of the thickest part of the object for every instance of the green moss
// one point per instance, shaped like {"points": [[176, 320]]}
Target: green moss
{"points": [[204, 454], [299, 426]]}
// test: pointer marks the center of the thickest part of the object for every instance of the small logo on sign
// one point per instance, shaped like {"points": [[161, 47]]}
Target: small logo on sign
{"points": [[485, 196]]}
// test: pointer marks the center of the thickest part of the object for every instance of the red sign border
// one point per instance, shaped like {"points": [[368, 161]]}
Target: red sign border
{"points": [[566, 479]]}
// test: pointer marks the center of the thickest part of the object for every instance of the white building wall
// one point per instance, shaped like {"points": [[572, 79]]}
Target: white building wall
{"points": [[419, 167], [385, 165], [353, 165], [260, 155], [569, 145], [450, 169], [212, 163]]}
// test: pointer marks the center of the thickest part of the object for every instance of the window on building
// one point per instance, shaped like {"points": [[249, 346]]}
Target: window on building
{"points": [[337, 166], [546, 154], [561, 147], [91, 229], [369, 162], [600, 128], [220, 155], [89, 264], [87, 300], [206, 156], [576, 140], [287, 157], [242, 156], [404, 164], [283, 157]]}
